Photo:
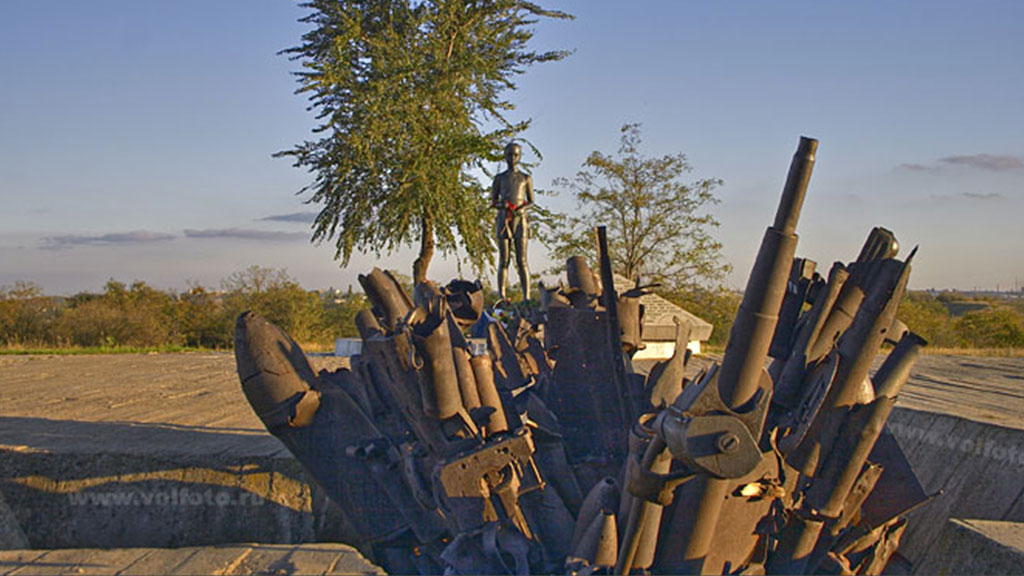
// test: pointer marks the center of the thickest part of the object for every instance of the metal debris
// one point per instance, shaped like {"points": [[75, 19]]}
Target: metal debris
{"points": [[776, 460]]}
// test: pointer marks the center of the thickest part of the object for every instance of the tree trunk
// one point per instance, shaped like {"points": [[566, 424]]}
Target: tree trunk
{"points": [[419, 267]]}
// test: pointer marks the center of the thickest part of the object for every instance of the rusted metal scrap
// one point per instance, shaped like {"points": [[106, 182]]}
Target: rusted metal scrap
{"points": [[550, 454]]}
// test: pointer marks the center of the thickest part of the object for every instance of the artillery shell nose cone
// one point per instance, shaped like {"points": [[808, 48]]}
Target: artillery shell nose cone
{"points": [[603, 496], [276, 376], [600, 543]]}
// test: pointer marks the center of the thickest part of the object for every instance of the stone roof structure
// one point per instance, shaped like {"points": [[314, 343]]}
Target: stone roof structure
{"points": [[658, 312]]}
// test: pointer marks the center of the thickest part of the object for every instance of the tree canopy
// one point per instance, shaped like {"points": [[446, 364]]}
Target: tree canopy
{"points": [[658, 226], [409, 96]]}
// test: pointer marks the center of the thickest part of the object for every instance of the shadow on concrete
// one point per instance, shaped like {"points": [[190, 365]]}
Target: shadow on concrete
{"points": [[42, 434], [127, 484]]}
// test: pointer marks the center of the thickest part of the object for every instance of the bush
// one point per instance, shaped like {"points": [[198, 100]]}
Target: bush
{"points": [[716, 305], [279, 298], [995, 327], [927, 316], [26, 316], [142, 316]]}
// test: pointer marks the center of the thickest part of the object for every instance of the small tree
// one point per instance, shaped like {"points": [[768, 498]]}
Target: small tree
{"points": [[656, 223], [25, 314], [278, 297], [403, 89]]}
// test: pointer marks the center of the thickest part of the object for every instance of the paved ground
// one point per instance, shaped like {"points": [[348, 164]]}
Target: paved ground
{"points": [[232, 559], [157, 423], [173, 403], [985, 390], [147, 451], [978, 547], [135, 404]]}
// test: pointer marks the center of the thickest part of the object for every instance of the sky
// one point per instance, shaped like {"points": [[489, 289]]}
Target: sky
{"points": [[136, 138]]}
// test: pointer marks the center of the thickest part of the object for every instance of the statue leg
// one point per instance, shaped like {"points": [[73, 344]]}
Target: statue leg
{"points": [[524, 270], [503, 258]]}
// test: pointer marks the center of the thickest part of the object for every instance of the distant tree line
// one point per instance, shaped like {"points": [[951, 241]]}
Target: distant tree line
{"points": [[952, 320], [947, 320], [139, 315]]}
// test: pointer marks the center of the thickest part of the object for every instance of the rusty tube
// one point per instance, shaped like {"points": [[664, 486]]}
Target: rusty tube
{"points": [[640, 536], [746, 352], [880, 244], [367, 325], [837, 278], [895, 371], [441, 397], [581, 277], [387, 296], [865, 336], [788, 388], [483, 373], [463, 368], [857, 349], [757, 317], [861, 433]]}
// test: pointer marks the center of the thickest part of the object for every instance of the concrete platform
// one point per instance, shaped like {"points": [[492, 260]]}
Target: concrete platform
{"points": [[163, 451], [150, 451], [11, 534], [972, 546], [232, 559]]}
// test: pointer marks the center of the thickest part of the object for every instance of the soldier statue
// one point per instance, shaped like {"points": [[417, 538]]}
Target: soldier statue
{"points": [[512, 194]]}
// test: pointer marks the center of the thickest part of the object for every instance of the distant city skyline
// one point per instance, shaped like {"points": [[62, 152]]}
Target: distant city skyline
{"points": [[136, 137]]}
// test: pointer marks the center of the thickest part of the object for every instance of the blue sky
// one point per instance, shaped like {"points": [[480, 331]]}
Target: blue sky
{"points": [[136, 137]]}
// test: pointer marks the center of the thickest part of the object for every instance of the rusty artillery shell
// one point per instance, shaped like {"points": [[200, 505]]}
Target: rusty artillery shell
{"points": [[599, 545], [441, 397], [602, 496], [483, 372], [387, 296], [275, 374], [582, 281], [367, 325], [463, 369]]}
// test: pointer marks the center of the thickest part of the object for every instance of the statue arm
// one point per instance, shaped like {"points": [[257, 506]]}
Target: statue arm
{"points": [[529, 191], [495, 193]]}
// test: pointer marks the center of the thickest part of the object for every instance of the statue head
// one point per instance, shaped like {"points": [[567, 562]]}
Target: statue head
{"points": [[512, 154]]}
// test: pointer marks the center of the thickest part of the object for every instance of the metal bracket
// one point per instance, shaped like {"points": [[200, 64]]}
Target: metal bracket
{"points": [[708, 436]]}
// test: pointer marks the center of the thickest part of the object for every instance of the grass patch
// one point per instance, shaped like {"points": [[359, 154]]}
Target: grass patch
{"points": [[313, 348], [709, 350], [983, 352], [84, 350]]}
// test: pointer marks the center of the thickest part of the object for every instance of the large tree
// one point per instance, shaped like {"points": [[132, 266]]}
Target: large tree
{"points": [[658, 224], [410, 99]]}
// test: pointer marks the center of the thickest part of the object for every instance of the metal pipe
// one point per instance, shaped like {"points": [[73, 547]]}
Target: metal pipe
{"points": [[387, 296], [745, 354], [640, 537], [852, 443], [789, 386], [463, 369], [858, 348], [483, 373], [757, 317], [441, 397], [861, 431], [627, 401], [881, 244]]}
